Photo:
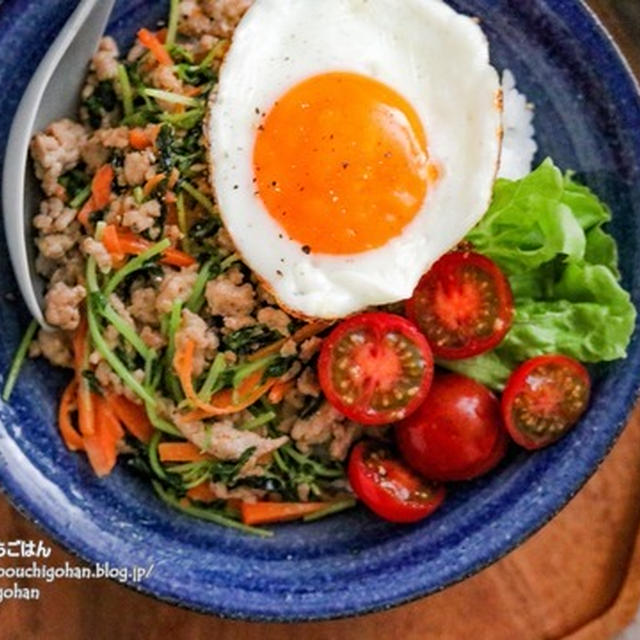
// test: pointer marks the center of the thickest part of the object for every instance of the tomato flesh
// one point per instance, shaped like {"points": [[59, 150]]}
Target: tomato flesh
{"points": [[456, 434], [544, 398], [388, 487], [463, 305], [375, 368]]}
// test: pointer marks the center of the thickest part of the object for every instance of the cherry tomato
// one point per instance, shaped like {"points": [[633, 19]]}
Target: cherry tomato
{"points": [[375, 368], [545, 397], [463, 305], [456, 434], [388, 487]]}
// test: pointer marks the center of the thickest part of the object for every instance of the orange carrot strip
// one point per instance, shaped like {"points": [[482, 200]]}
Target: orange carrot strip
{"points": [[152, 42], [308, 331], [267, 512], [101, 447], [202, 493], [152, 183], [68, 404], [111, 242], [126, 242], [132, 416], [101, 186], [279, 391], [224, 402], [100, 194], [180, 452], [139, 139]]}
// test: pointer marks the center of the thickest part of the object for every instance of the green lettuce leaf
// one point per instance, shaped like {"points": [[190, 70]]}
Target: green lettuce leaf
{"points": [[546, 233]]}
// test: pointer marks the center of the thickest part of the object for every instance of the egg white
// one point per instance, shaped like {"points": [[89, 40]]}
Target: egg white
{"points": [[434, 57]]}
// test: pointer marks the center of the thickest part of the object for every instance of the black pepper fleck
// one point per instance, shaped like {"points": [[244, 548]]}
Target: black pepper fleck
{"points": [[306, 249]]}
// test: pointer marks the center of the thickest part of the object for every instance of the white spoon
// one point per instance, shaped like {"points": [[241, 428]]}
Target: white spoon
{"points": [[53, 93]]}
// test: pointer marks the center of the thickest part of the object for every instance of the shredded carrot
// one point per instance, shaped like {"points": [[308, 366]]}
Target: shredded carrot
{"points": [[111, 242], [192, 92], [132, 416], [120, 242], [100, 194], [279, 391], [170, 198], [139, 139], [152, 183], [68, 405], [202, 493], [267, 512], [308, 331], [152, 42], [224, 402], [101, 447], [180, 452]]}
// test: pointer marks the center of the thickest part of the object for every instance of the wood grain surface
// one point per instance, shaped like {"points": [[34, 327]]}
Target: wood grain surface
{"points": [[562, 583]]}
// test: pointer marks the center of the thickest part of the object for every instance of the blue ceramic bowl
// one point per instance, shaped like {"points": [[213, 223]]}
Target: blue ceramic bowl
{"points": [[588, 118]]}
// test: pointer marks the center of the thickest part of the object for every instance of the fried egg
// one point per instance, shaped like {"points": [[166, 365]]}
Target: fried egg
{"points": [[352, 143]]}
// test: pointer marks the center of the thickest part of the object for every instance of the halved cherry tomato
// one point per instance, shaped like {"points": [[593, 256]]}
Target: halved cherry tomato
{"points": [[375, 368], [388, 487], [545, 397], [456, 434], [463, 305]]}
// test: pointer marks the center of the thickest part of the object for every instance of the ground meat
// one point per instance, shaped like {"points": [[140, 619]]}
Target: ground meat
{"points": [[55, 346], [142, 217], [143, 306], [225, 14], [105, 60], [96, 150], [138, 167], [54, 217], [70, 270], [176, 286], [55, 151], [173, 233], [289, 349], [344, 435], [326, 425], [235, 323], [163, 77], [62, 306], [265, 296], [121, 309], [94, 154], [57, 245], [275, 319], [309, 348], [153, 339], [111, 381], [194, 328], [221, 492], [227, 297], [96, 249], [225, 442], [193, 21], [307, 383], [224, 241]]}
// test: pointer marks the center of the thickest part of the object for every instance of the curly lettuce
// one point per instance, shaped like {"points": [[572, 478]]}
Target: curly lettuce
{"points": [[546, 233]]}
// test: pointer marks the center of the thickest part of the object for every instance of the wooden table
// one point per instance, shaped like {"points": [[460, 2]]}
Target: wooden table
{"points": [[554, 585]]}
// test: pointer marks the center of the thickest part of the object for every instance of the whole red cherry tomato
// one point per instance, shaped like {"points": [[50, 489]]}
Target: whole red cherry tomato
{"points": [[457, 432], [463, 305], [391, 490], [375, 368], [544, 399]]}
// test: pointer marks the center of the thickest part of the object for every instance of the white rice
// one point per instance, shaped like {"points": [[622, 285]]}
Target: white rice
{"points": [[519, 146]]}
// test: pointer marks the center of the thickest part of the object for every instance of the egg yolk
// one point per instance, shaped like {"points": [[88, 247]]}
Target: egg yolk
{"points": [[341, 163]]}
